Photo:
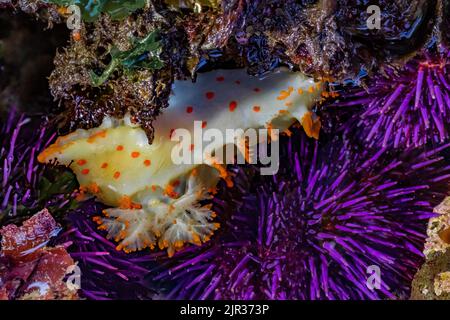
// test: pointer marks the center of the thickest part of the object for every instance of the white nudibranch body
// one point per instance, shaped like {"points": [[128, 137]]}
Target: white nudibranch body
{"points": [[156, 202]]}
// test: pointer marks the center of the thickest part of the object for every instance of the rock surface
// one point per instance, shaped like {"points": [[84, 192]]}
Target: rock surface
{"points": [[432, 281]]}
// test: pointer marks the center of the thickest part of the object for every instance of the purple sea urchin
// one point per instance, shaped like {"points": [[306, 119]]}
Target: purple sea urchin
{"points": [[106, 273], [312, 230], [409, 107], [27, 186]]}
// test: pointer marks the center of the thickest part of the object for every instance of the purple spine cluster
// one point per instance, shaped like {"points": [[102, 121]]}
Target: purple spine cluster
{"points": [[313, 230], [106, 273], [403, 108], [21, 140]]}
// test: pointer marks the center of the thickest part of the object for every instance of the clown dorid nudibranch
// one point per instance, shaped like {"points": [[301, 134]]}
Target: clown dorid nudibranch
{"points": [[155, 201]]}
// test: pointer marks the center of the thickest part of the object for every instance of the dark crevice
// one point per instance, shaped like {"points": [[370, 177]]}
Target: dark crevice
{"points": [[27, 49]]}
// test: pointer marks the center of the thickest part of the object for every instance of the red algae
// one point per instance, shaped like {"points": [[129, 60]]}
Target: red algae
{"points": [[19, 243], [29, 269]]}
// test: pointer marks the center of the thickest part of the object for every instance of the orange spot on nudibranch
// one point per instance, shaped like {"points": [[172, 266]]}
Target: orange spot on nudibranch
{"points": [[126, 203], [116, 175], [54, 149], [81, 162], [94, 188], [310, 125], [97, 219], [119, 148], [334, 94], [85, 171], [233, 106], [93, 137], [210, 95], [256, 108], [104, 165], [191, 147], [189, 109], [196, 239], [284, 95], [170, 191], [135, 154], [81, 196], [204, 123], [300, 91], [289, 104], [224, 174], [220, 79], [147, 163]]}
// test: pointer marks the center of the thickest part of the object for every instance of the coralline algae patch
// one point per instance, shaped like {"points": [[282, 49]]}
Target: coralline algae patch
{"points": [[157, 202]]}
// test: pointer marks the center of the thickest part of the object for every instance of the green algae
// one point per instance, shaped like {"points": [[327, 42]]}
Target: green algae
{"points": [[143, 55]]}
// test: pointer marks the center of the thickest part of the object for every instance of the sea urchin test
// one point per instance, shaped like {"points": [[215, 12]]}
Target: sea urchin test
{"points": [[155, 201]]}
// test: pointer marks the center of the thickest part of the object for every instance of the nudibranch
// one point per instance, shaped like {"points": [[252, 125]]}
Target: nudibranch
{"points": [[155, 201]]}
